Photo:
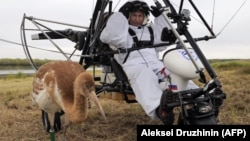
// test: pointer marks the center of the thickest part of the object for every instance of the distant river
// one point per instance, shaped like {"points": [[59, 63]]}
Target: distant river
{"points": [[28, 72], [6, 72]]}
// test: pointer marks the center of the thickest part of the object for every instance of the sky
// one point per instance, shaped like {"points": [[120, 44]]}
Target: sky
{"points": [[231, 27]]}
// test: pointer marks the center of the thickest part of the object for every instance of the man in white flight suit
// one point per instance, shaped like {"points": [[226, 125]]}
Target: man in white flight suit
{"points": [[129, 28]]}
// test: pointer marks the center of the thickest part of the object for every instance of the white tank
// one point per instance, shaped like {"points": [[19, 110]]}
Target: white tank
{"points": [[177, 61], [181, 66]]}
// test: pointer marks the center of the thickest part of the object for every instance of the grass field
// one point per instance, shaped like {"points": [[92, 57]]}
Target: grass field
{"points": [[21, 121]]}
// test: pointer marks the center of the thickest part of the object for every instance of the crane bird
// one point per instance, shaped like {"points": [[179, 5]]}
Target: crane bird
{"points": [[64, 86]]}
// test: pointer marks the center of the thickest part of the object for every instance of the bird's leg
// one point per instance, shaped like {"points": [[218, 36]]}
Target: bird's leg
{"points": [[52, 130]]}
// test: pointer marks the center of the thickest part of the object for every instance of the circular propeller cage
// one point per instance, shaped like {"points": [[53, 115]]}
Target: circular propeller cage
{"points": [[39, 27]]}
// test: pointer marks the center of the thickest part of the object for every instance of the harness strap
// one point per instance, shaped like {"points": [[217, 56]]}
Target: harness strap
{"points": [[138, 43], [151, 35], [135, 39]]}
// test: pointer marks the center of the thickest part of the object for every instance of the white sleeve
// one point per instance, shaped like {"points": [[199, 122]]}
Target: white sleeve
{"points": [[116, 30]]}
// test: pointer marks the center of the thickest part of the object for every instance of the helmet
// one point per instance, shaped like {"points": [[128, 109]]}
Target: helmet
{"points": [[134, 5], [139, 5]]}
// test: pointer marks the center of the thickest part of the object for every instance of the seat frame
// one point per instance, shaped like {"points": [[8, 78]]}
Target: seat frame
{"points": [[120, 84]]}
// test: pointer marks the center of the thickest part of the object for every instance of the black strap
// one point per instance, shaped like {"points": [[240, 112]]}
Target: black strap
{"points": [[151, 34], [136, 41]]}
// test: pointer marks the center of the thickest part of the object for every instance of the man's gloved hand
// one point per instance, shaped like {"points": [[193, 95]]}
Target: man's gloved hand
{"points": [[126, 8], [168, 35], [80, 39], [155, 11]]}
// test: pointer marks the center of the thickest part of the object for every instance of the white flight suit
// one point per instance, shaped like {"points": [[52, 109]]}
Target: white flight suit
{"points": [[141, 66]]}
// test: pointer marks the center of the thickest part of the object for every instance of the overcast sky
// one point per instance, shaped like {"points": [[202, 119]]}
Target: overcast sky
{"points": [[232, 43]]}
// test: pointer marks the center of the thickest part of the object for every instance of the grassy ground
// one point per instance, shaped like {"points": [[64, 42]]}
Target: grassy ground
{"points": [[21, 121]]}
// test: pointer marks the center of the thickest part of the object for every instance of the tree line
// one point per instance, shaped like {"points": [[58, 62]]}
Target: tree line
{"points": [[6, 63]]}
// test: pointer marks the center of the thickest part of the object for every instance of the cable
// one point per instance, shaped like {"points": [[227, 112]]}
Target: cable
{"points": [[212, 24], [15, 43], [11, 42], [232, 17], [116, 5], [223, 28], [140, 51]]}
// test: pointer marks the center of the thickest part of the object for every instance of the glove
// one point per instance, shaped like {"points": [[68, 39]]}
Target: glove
{"points": [[168, 35], [155, 11], [80, 39], [126, 8]]}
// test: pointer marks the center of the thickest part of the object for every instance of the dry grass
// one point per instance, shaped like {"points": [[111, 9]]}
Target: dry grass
{"points": [[21, 121]]}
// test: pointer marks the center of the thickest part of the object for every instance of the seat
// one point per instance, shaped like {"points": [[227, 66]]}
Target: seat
{"points": [[120, 84]]}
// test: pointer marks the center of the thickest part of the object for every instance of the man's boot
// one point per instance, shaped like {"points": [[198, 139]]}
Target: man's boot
{"points": [[165, 113]]}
